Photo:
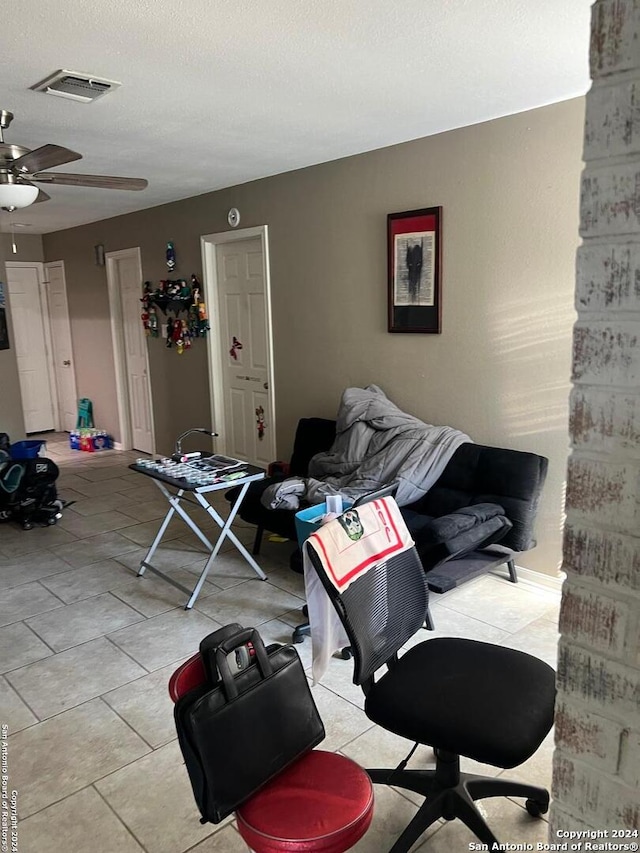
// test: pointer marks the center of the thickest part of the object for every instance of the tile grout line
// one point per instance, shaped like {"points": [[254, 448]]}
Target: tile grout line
{"points": [[24, 701], [128, 724], [114, 812], [124, 652]]}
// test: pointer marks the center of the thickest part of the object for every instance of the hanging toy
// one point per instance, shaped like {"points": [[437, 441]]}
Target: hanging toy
{"points": [[233, 352], [260, 422], [203, 320], [177, 329], [171, 257], [177, 335], [153, 322], [169, 332], [193, 321], [146, 295], [186, 334], [146, 317]]}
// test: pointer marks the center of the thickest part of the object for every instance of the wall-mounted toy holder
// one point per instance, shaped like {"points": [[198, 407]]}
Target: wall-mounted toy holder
{"points": [[182, 304]]}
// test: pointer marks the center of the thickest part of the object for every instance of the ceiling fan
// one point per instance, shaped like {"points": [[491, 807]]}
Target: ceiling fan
{"points": [[20, 166]]}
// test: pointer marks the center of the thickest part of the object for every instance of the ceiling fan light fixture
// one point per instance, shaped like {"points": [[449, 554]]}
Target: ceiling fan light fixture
{"points": [[14, 196]]}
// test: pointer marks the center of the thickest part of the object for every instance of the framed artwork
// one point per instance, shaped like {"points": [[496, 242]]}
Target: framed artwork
{"points": [[414, 246]]}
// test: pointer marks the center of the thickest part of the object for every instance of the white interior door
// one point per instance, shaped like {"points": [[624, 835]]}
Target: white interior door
{"points": [[245, 351], [61, 346], [124, 275], [31, 333]]}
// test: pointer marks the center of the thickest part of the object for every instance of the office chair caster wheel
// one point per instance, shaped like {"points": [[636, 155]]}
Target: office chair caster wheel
{"points": [[535, 808], [346, 653], [26, 525], [300, 633]]}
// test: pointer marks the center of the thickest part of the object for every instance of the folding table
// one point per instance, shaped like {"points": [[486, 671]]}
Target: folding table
{"points": [[178, 491]]}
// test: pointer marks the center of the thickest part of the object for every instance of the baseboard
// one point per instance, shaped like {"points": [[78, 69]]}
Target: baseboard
{"points": [[117, 445], [536, 579]]}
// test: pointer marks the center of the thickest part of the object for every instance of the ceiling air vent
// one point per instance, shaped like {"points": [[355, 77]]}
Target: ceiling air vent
{"points": [[76, 86]]}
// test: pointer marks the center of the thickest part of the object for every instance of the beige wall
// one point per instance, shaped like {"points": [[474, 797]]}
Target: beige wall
{"points": [[11, 419], [500, 369]]}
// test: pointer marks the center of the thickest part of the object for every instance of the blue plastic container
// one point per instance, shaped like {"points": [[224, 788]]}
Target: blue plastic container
{"points": [[26, 449], [308, 520]]}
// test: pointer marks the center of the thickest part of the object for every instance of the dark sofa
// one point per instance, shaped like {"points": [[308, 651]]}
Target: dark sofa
{"points": [[485, 496]]}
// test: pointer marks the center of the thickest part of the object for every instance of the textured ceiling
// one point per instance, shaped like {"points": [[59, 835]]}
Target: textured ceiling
{"points": [[216, 93]]}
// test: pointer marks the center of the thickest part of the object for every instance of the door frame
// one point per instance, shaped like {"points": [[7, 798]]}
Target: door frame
{"points": [[119, 360], [209, 244], [46, 324]]}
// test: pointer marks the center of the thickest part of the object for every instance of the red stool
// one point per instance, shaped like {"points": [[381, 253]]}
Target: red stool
{"points": [[322, 803]]}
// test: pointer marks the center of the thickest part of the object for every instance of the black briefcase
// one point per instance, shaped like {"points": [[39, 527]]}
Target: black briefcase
{"points": [[240, 729]]}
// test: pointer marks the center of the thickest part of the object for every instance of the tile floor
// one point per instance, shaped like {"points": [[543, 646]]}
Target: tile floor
{"points": [[87, 648]]}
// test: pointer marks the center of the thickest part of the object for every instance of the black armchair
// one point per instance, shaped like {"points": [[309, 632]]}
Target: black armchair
{"points": [[485, 495], [446, 693]]}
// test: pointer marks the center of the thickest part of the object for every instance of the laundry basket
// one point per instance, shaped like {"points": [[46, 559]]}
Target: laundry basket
{"points": [[29, 449]]}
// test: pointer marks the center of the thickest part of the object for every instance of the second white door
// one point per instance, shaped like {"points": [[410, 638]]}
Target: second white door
{"points": [[30, 326], [62, 352], [124, 273]]}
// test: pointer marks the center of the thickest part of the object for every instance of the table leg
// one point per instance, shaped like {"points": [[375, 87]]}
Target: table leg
{"points": [[170, 513], [225, 533]]}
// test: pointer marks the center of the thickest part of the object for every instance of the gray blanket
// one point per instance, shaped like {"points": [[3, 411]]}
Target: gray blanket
{"points": [[376, 443]]}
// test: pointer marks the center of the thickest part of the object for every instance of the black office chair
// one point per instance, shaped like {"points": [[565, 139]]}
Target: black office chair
{"points": [[461, 697]]}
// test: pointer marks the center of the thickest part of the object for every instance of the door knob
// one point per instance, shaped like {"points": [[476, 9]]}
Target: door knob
{"points": [[265, 385], [67, 362]]}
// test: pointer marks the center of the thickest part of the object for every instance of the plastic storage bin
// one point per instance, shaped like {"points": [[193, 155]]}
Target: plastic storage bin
{"points": [[308, 520], [29, 449]]}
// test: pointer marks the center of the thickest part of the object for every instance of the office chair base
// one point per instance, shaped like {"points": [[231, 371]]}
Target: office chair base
{"points": [[450, 794], [301, 632]]}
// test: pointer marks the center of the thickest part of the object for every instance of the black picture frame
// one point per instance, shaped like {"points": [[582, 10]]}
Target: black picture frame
{"points": [[414, 252]]}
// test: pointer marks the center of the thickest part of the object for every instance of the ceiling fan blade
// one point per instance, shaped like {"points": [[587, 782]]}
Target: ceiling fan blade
{"points": [[45, 157], [42, 196], [107, 182]]}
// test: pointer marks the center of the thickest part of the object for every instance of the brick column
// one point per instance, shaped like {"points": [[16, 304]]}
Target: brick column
{"points": [[596, 776]]}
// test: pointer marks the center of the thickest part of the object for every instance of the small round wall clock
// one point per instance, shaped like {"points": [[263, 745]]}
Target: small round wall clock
{"points": [[233, 217]]}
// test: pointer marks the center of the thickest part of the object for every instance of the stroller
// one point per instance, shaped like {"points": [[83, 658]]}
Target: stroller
{"points": [[28, 493]]}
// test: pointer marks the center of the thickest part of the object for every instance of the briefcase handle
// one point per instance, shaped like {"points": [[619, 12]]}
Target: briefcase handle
{"points": [[247, 635]]}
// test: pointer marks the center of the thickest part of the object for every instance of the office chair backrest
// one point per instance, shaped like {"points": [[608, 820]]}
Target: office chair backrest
{"points": [[380, 610]]}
